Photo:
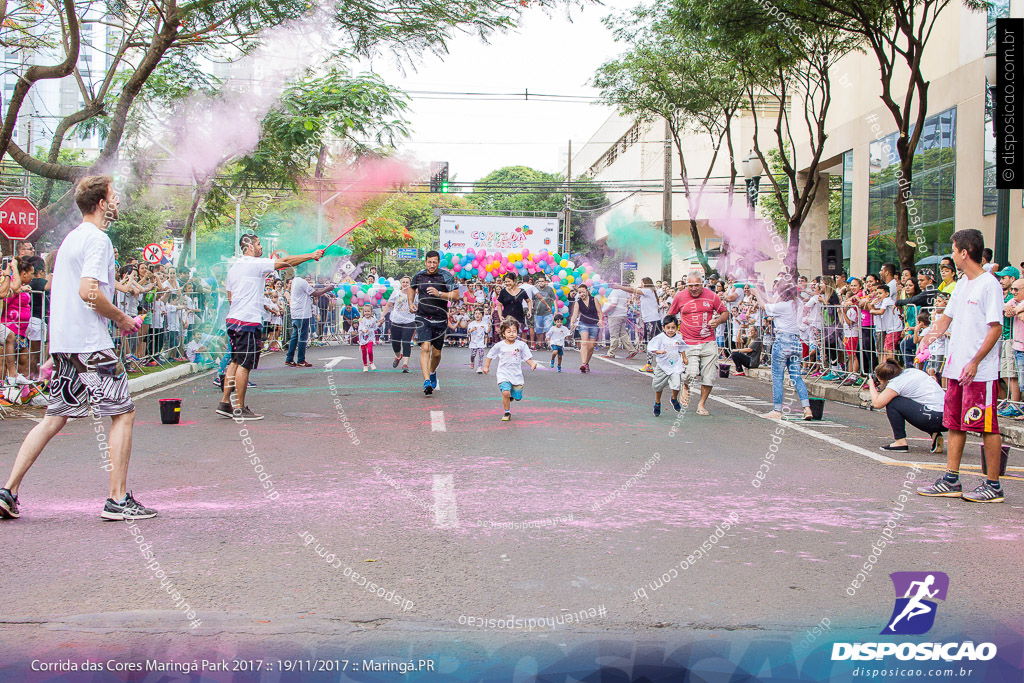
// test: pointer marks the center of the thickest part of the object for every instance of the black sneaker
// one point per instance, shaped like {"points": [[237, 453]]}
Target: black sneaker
{"points": [[676, 405], [8, 505], [218, 382], [224, 409], [985, 493], [130, 509], [246, 415], [942, 488]]}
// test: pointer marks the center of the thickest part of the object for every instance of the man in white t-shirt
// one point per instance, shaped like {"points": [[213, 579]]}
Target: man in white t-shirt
{"points": [[302, 295], [245, 283], [974, 319], [88, 380], [616, 309]]}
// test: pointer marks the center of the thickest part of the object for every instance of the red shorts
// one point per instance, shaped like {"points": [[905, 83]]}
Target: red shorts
{"points": [[851, 345], [891, 339], [971, 408]]}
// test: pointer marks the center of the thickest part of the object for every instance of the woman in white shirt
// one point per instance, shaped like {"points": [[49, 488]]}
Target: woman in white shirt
{"points": [[908, 395], [403, 322], [787, 352]]}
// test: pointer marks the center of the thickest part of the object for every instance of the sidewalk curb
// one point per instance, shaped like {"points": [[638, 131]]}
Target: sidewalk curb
{"points": [[861, 398], [155, 379]]}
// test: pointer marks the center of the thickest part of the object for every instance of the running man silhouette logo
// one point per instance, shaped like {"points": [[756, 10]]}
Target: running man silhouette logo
{"points": [[914, 612]]}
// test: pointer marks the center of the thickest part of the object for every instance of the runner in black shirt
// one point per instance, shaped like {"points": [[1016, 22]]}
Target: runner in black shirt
{"points": [[434, 289]]}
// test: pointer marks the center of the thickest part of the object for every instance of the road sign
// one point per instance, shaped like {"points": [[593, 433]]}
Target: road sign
{"points": [[628, 265], [408, 254], [19, 218], [153, 253]]}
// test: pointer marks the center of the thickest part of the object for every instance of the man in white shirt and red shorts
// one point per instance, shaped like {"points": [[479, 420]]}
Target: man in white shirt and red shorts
{"points": [[974, 318]]}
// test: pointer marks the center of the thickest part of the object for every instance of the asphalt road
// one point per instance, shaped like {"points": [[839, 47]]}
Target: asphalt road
{"points": [[584, 501]]}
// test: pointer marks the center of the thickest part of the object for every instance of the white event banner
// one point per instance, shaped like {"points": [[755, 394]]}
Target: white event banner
{"points": [[498, 234]]}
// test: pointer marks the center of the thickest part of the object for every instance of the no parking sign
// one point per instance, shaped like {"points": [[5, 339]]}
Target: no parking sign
{"points": [[153, 253]]}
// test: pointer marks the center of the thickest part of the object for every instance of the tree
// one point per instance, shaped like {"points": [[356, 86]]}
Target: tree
{"points": [[673, 73], [521, 188], [144, 36], [785, 65], [896, 33]]}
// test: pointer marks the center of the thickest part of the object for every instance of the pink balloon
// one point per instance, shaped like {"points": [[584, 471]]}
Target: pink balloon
{"points": [[457, 268], [525, 252]]}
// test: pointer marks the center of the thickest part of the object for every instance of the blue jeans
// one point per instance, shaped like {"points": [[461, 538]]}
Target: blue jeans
{"points": [[300, 335], [1019, 355], [786, 355]]}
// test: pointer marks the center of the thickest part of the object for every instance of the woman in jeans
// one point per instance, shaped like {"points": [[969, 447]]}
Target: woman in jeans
{"points": [[786, 351], [908, 396]]}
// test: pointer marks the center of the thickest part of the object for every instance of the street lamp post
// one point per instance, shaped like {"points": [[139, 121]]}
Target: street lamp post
{"points": [[1001, 248], [238, 221], [320, 224], [752, 169]]}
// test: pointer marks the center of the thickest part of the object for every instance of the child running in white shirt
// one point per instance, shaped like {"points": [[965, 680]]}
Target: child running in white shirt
{"points": [[367, 333], [477, 331], [556, 338], [668, 349], [510, 352]]}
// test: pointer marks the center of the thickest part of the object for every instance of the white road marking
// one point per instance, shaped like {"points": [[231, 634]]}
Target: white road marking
{"points": [[446, 514], [165, 387], [334, 361], [796, 427], [437, 421]]}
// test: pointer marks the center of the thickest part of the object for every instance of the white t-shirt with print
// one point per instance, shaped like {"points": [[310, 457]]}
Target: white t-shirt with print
{"points": [[173, 319], [477, 334], [400, 312], [74, 326], [673, 361], [246, 281], [851, 323], [558, 335], [974, 306], [510, 360], [367, 329], [889, 321], [159, 310]]}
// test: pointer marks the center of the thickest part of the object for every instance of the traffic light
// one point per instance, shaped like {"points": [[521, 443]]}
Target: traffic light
{"points": [[439, 176]]}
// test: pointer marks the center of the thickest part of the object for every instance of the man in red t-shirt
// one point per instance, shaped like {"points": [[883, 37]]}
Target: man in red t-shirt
{"points": [[699, 311]]}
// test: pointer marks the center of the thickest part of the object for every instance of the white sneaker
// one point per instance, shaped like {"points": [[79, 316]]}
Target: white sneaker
{"points": [[479, 371], [22, 380], [366, 369], [372, 366]]}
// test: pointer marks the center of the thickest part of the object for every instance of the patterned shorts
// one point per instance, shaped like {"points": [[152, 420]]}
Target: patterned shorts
{"points": [[85, 383]]}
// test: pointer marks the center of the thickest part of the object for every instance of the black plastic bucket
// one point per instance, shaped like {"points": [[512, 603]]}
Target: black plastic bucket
{"points": [[1002, 461], [170, 410], [723, 370], [817, 408]]}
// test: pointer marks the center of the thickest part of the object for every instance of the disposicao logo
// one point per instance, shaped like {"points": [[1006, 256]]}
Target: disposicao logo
{"points": [[912, 615], [916, 592]]}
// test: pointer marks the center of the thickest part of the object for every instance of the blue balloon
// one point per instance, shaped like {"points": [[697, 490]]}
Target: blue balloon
{"points": [[382, 280], [489, 278]]}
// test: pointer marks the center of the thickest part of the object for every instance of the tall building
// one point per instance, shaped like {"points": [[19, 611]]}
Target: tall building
{"points": [[954, 169]]}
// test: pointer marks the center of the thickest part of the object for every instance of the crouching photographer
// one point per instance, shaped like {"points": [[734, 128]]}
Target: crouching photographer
{"points": [[908, 395]]}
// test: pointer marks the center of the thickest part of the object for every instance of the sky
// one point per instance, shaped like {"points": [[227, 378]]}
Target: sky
{"points": [[547, 54]]}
